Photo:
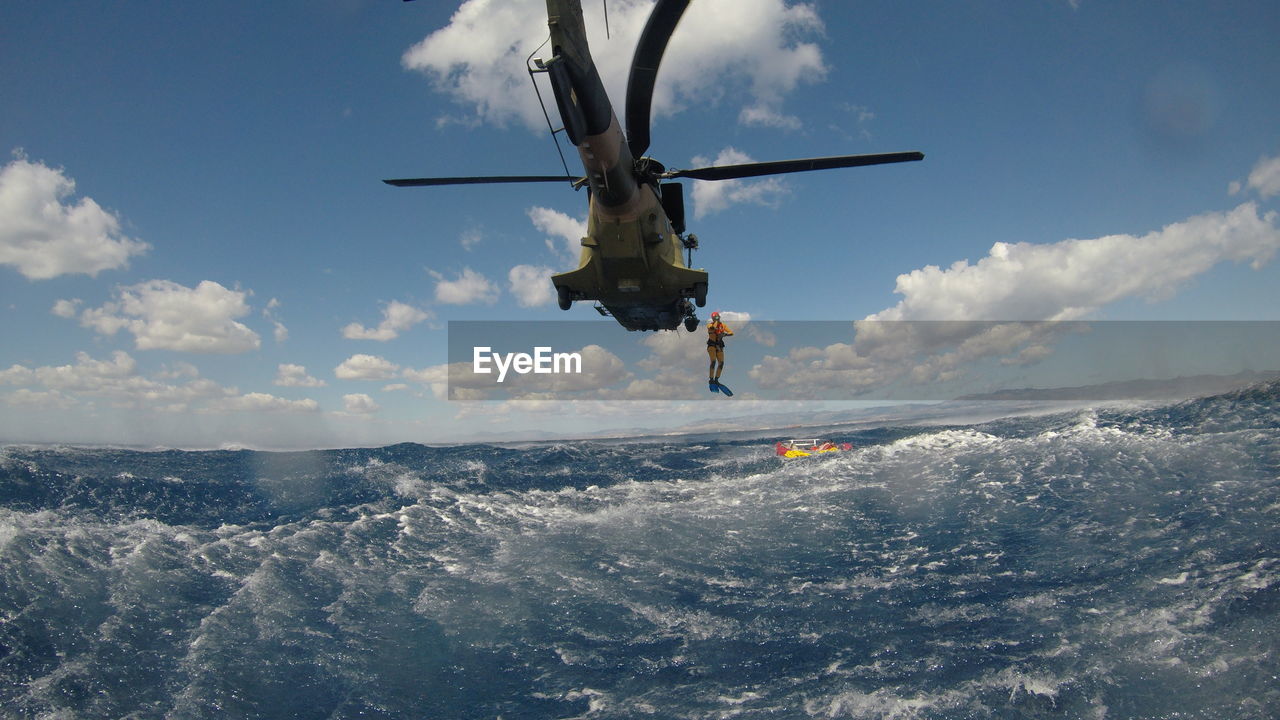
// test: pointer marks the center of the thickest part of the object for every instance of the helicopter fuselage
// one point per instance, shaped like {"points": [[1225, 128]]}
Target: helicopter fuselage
{"points": [[631, 262]]}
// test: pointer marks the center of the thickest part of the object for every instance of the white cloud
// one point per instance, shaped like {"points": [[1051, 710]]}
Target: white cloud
{"points": [[912, 358], [469, 287], [163, 315], [674, 350], [178, 370], [1072, 278], [290, 375], [1038, 284], [39, 399], [396, 318], [713, 196], [436, 377], [1264, 179], [766, 116], [280, 333], [366, 367], [678, 361], [263, 402], [531, 285], [458, 377], [116, 380], [735, 317], [359, 404], [723, 51], [566, 232], [66, 308], [87, 373], [600, 369], [44, 237]]}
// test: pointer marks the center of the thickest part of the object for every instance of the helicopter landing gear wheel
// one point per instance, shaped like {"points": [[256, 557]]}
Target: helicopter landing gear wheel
{"points": [[700, 294], [562, 296]]}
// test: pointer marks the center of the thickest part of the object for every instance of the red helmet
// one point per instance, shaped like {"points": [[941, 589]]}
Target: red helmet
{"points": [[715, 315]]}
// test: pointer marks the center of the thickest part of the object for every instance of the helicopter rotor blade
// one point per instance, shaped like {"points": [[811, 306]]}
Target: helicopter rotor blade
{"points": [[779, 167], [644, 70], [480, 180]]}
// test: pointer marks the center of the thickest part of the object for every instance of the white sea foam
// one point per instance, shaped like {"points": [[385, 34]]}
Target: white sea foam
{"points": [[1078, 568]]}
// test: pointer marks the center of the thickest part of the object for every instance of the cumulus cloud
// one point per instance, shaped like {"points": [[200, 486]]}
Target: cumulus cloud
{"points": [[677, 362], [44, 234], [38, 399], [66, 308], [86, 374], [1072, 278], [1264, 179], [454, 381], [115, 380], [1008, 304], [768, 116], [163, 315], [436, 377], [263, 402], [566, 232], [469, 287], [359, 404], [396, 318], [713, 196], [178, 370], [290, 375], [531, 285], [750, 51], [600, 369], [366, 367]]}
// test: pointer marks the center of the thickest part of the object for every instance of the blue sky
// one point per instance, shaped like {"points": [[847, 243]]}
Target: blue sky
{"points": [[196, 248]]}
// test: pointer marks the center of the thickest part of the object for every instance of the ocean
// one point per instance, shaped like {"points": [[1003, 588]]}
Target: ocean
{"points": [[1098, 563]]}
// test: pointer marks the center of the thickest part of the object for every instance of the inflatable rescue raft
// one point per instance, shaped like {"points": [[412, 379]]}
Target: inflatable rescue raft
{"points": [[807, 447]]}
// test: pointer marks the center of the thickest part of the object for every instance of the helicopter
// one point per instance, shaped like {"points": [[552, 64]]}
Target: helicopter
{"points": [[632, 262]]}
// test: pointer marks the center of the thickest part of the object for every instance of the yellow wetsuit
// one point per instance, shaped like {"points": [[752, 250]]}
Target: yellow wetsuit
{"points": [[716, 332]]}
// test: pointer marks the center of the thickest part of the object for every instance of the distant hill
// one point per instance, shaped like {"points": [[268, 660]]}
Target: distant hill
{"points": [[1171, 389]]}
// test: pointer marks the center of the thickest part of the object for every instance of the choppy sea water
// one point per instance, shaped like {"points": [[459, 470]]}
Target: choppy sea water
{"points": [[1094, 564]]}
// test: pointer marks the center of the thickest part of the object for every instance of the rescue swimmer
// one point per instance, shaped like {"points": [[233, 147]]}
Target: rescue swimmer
{"points": [[716, 332]]}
